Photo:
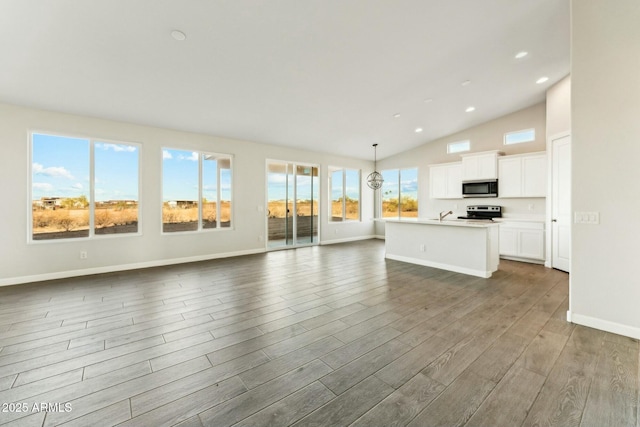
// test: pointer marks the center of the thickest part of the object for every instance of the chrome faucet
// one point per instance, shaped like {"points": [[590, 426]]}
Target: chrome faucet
{"points": [[445, 215]]}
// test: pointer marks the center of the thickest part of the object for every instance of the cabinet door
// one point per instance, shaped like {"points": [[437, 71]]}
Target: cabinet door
{"points": [[534, 176], [454, 182], [470, 168], [531, 244], [480, 166], [508, 241], [510, 177], [438, 182], [487, 167]]}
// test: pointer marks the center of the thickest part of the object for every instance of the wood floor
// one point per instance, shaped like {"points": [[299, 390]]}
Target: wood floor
{"points": [[321, 336]]}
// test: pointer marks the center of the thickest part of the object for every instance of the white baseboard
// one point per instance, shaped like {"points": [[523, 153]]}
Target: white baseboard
{"points": [[345, 240], [449, 267], [109, 269], [529, 260], [604, 325], [379, 236]]}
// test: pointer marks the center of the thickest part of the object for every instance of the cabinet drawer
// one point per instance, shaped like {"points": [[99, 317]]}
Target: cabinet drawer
{"points": [[534, 225]]}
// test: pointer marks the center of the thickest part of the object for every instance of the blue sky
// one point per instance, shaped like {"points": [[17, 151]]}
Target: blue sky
{"points": [[60, 168], [408, 183], [180, 177], [277, 183], [352, 187]]}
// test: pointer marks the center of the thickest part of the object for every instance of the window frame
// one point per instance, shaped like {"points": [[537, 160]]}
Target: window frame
{"points": [[399, 174], [91, 141], [200, 228], [450, 144], [515, 132], [344, 219]]}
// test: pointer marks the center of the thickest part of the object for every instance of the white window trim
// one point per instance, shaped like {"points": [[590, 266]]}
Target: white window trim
{"points": [[344, 220], [451, 144], [517, 132], [92, 141], [200, 228], [398, 216]]}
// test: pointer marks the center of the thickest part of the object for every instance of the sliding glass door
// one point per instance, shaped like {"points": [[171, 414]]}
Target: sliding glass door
{"points": [[292, 204]]}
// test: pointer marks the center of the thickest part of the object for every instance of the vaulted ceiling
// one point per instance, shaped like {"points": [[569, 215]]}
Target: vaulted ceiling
{"points": [[323, 75]]}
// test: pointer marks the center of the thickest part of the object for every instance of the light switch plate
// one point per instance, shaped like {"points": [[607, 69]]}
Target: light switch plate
{"points": [[586, 217]]}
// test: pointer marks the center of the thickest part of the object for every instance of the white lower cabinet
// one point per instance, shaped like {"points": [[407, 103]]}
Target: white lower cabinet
{"points": [[522, 240]]}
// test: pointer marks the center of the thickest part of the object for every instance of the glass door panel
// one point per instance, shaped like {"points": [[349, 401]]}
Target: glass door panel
{"points": [[292, 205], [279, 227], [306, 214]]}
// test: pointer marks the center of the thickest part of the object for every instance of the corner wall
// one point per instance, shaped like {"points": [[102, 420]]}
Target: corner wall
{"points": [[605, 99], [21, 261]]}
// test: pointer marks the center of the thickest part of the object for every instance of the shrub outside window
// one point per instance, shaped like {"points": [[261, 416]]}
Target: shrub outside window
{"points": [[81, 187]]}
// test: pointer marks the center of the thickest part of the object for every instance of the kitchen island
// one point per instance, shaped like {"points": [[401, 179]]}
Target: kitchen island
{"points": [[464, 246]]}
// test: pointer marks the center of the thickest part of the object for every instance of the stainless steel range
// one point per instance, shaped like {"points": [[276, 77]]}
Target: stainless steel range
{"points": [[483, 212]]}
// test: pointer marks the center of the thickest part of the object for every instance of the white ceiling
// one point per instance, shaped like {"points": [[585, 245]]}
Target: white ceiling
{"points": [[323, 75]]}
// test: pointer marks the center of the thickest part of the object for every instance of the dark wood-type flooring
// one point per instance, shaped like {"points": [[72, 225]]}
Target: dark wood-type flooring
{"points": [[320, 336]]}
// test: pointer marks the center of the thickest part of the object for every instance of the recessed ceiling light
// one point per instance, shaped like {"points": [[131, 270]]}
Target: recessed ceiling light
{"points": [[396, 116], [428, 100], [521, 55], [466, 83], [542, 80], [418, 130], [470, 109], [178, 35]]}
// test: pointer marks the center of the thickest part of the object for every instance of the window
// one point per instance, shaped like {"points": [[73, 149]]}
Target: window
{"points": [[458, 147], [344, 185], [520, 136], [400, 193], [82, 187], [196, 190]]}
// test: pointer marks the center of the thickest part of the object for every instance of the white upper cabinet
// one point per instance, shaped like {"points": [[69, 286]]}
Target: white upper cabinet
{"points": [[523, 175], [480, 166], [445, 181]]}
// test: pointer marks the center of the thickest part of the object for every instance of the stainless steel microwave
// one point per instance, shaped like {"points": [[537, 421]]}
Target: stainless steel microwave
{"points": [[481, 188]]}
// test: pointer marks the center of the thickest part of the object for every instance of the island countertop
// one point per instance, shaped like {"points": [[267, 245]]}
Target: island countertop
{"points": [[447, 222]]}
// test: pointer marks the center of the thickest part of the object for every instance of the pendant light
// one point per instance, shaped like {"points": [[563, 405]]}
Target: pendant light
{"points": [[375, 180]]}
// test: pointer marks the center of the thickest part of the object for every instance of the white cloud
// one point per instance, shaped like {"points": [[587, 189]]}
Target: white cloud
{"points": [[55, 171], [118, 147], [44, 186], [193, 157], [166, 155], [77, 186]]}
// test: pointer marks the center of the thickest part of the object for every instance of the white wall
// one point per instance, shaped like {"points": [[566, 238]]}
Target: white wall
{"points": [[21, 261], [559, 107], [605, 99], [484, 137]]}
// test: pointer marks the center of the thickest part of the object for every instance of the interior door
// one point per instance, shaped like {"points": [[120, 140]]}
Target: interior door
{"points": [[561, 204], [292, 205]]}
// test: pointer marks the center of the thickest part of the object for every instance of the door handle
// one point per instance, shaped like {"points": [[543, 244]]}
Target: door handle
{"points": [[554, 220]]}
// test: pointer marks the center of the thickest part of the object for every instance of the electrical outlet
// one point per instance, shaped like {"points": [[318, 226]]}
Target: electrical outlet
{"points": [[83, 254], [531, 206], [422, 248]]}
